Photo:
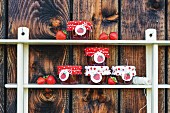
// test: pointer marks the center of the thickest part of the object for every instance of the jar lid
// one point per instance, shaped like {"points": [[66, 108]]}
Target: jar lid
{"points": [[90, 51], [71, 25], [126, 72], [91, 70], [73, 70]]}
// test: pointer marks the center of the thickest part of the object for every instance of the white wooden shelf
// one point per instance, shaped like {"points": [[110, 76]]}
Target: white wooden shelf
{"points": [[160, 86], [77, 86], [23, 86], [85, 42], [164, 86]]}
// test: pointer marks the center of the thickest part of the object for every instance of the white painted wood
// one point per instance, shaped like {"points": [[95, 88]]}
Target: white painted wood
{"points": [[155, 79], [150, 34], [85, 86], [77, 86], [149, 75], [9, 41], [85, 42], [22, 70], [26, 76], [163, 86], [20, 80], [10, 85]]}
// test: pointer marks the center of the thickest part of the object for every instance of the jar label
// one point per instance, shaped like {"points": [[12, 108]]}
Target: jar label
{"points": [[126, 76], [99, 57], [63, 75], [80, 30], [96, 78]]}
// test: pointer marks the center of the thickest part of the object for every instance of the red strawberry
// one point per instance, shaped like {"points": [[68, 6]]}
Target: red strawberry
{"points": [[103, 36], [99, 58], [127, 76], [112, 81], [96, 76], [63, 76], [61, 35], [51, 80], [113, 36], [80, 30], [41, 80]]}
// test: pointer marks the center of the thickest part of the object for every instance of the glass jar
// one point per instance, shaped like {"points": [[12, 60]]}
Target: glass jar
{"points": [[96, 56], [124, 74], [97, 74], [69, 74], [79, 30]]}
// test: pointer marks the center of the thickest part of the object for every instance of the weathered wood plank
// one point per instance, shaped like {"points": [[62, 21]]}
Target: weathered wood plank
{"points": [[43, 61], [98, 12], [38, 17], [2, 35], [168, 90], [11, 78], [135, 20], [2, 79], [168, 63]]}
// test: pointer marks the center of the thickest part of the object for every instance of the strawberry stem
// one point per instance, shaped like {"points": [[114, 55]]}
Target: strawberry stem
{"points": [[65, 32]]}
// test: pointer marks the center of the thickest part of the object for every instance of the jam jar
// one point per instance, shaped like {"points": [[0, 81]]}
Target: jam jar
{"points": [[124, 74], [97, 74], [79, 30], [96, 56], [69, 74]]}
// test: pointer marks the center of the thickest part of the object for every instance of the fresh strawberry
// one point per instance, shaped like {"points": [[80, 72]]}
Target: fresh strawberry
{"points": [[112, 81], [113, 36], [96, 76], [50, 80], [41, 80], [103, 36], [61, 35]]}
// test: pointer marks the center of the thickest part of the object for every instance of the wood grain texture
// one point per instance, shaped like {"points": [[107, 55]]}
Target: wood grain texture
{"points": [[44, 61], [135, 20], [11, 78], [103, 15], [2, 80], [168, 64], [2, 35], [168, 101], [39, 16]]}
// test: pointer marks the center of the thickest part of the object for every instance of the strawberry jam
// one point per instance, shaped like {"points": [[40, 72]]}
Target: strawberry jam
{"points": [[124, 74], [96, 56], [79, 30], [69, 74], [97, 74]]}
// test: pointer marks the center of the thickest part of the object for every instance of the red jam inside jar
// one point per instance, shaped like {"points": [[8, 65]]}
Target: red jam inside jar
{"points": [[79, 30], [124, 74], [69, 74], [96, 56], [97, 74]]}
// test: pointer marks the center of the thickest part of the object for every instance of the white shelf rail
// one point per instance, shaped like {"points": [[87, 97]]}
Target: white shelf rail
{"points": [[78, 86], [85, 42]]}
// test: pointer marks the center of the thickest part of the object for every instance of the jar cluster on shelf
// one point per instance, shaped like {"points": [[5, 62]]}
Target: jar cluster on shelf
{"points": [[96, 71]]}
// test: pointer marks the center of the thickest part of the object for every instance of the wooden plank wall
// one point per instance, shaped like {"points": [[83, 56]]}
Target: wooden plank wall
{"points": [[134, 18], [37, 15], [168, 55], [95, 11], [2, 35]]}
